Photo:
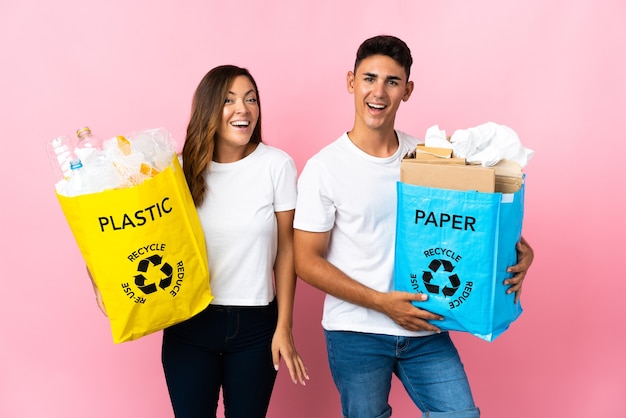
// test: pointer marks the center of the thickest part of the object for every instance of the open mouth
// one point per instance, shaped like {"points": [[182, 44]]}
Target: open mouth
{"points": [[240, 123], [376, 106]]}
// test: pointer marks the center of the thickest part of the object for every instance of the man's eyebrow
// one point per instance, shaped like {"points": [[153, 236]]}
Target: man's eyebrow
{"points": [[389, 77]]}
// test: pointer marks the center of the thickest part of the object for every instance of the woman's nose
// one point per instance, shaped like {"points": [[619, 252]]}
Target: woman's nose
{"points": [[240, 106]]}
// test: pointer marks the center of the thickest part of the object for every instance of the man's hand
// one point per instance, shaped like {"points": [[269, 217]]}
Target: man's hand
{"points": [[399, 307], [525, 257]]}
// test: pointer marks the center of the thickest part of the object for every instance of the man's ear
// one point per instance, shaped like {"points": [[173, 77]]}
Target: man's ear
{"points": [[350, 82], [407, 91]]}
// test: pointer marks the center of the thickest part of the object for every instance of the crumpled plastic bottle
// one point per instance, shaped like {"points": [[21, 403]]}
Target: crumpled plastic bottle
{"points": [[115, 163]]}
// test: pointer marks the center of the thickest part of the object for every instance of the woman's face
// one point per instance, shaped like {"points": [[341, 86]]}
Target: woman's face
{"points": [[240, 114]]}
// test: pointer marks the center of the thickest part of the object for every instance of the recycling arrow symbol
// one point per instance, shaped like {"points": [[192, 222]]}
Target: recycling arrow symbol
{"points": [[142, 282], [453, 281]]}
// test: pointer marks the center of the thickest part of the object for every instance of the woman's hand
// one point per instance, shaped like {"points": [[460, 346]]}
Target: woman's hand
{"points": [[283, 346], [99, 300]]}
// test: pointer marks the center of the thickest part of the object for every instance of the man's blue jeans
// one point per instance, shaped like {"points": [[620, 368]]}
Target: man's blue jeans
{"points": [[429, 368]]}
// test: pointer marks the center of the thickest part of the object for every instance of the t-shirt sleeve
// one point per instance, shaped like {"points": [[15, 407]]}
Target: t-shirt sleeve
{"points": [[285, 189], [315, 208]]}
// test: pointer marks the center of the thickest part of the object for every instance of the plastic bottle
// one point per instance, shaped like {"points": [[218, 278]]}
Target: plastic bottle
{"points": [[89, 149], [62, 157], [86, 139], [75, 184]]}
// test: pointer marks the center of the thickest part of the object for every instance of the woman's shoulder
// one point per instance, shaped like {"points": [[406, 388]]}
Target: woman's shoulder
{"points": [[273, 152]]}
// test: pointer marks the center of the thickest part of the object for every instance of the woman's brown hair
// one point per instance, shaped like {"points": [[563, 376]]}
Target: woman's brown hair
{"points": [[206, 114]]}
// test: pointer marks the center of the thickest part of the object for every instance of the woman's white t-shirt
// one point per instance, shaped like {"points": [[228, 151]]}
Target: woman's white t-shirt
{"points": [[240, 227]]}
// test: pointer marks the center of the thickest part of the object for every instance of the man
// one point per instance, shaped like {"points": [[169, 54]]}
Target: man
{"points": [[344, 245]]}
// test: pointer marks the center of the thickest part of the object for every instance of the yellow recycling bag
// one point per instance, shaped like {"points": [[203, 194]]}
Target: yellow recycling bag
{"points": [[144, 246]]}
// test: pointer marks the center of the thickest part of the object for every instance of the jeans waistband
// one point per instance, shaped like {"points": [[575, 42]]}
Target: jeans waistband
{"points": [[242, 307]]}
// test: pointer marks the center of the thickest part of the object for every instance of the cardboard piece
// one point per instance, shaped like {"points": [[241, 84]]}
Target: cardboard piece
{"points": [[433, 159], [509, 177], [448, 176], [434, 151], [422, 169]]}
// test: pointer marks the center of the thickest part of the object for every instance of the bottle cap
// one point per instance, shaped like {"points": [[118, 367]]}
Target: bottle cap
{"points": [[76, 164], [82, 131]]}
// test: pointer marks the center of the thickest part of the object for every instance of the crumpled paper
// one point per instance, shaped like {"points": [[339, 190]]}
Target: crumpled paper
{"points": [[487, 144]]}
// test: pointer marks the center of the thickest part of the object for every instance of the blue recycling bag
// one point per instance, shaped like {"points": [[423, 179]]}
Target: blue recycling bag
{"points": [[455, 246]]}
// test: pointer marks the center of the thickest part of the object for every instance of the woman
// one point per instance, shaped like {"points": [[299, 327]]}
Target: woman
{"points": [[245, 193]]}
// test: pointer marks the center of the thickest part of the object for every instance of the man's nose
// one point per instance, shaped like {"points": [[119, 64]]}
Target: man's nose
{"points": [[379, 88]]}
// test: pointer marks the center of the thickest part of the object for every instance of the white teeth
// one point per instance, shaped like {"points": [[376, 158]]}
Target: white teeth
{"points": [[240, 123], [376, 106]]}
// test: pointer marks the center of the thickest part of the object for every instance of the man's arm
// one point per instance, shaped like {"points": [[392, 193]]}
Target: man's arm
{"points": [[312, 267]]}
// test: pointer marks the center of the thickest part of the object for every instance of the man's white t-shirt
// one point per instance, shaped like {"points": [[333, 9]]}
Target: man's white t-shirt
{"points": [[239, 222], [352, 193]]}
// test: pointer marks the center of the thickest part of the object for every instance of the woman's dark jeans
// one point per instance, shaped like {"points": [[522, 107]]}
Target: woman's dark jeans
{"points": [[227, 347]]}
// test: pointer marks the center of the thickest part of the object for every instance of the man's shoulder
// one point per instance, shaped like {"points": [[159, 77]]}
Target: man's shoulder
{"points": [[406, 139], [341, 150], [331, 149]]}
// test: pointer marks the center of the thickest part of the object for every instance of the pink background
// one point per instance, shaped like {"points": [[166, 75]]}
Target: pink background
{"points": [[553, 71]]}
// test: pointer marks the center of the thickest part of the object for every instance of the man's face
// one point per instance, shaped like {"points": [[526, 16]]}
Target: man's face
{"points": [[379, 85]]}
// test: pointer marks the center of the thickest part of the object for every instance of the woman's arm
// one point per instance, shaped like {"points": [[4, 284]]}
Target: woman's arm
{"points": [[285, 281]]}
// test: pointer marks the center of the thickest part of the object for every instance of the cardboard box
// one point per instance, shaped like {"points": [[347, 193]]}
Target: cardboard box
{"points": [[448, 176], [446, 173]]}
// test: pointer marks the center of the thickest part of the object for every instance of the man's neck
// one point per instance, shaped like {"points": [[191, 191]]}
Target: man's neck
{"points": [[377, 143]]}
